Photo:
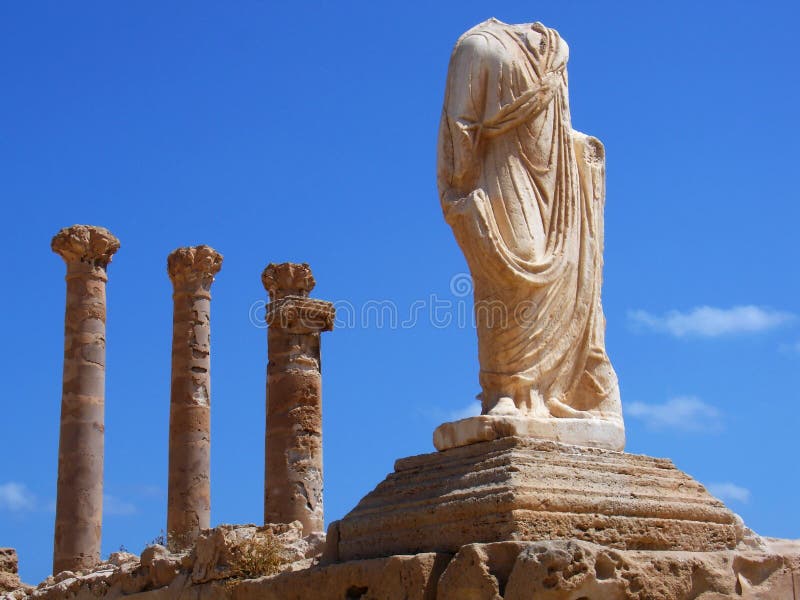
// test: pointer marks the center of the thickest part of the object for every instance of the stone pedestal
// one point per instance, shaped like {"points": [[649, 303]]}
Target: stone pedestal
{"points": [[591, 432], [192, 272], [79, 504], [516, 489], [293, 464]]}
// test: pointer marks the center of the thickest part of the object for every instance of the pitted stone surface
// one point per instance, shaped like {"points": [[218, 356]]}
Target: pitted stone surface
{"points": [[545, 570], [85, 243], [194, 266], [9, 571], [191, 270], [293, 464], [287, 279], [87, 250], [523, 489]]}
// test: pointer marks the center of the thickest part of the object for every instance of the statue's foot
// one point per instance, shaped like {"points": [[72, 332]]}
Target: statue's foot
{"points": [[563, 411], [504, 406]]}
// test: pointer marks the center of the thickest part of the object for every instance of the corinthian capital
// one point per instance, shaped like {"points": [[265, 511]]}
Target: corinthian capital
{"points": [[85, 243], [193, 265]]}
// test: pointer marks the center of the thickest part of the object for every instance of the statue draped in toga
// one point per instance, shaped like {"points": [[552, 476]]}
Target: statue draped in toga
{"points": [[524, 194]]}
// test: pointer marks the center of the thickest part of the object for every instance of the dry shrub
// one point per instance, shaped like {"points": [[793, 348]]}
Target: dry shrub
{"points": [[262, 554], [160, 539]]}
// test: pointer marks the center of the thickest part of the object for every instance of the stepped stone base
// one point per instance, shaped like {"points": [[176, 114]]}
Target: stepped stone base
{"points": [[516, 489]]}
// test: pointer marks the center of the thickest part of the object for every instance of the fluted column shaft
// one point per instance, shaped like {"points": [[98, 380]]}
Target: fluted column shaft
{"points": [[192, 272], [293, 465], [79, 497]]}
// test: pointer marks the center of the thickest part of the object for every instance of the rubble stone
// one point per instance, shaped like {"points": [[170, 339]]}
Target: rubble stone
{"points": [[511, 570], [9, 571]]}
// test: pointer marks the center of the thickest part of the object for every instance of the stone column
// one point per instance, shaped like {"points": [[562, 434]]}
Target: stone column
{"points": [[79, 504], [293, 465], [192, 272]]}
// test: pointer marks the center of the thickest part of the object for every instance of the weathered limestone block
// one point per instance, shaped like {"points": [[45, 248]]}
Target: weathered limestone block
{"points": [[9, 571], [470, 575], [215, 552], [86, 251], [293, 463], [544, 570], [131, 578], [393, 578], [192, 271], [593, 433], [524, 489], [163, 567], [9, 562], [570, 570], [120, 558]]}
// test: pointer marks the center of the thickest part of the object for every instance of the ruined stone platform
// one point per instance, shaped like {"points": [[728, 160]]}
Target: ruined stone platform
{"points": [[516, 489], [550, 570]]}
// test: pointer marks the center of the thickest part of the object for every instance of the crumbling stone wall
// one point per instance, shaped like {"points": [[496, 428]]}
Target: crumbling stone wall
{"points": [[545, 570], [9, 570]]}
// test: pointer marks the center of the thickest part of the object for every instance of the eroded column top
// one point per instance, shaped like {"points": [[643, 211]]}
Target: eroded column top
{"points": [[290, 308], [193, 266], [287, 279], [87, 244]]}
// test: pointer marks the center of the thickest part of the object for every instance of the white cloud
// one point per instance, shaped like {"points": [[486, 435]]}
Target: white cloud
{"points": [[150, 491], [791, 349], [729, 491], [143, 490], [708, 321], [112, 505], [16, 497], [685, 413], [473, 409]]}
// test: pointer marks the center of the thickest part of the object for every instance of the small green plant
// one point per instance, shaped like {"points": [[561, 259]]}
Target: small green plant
{"points": [[257, 556], [122, 548]]}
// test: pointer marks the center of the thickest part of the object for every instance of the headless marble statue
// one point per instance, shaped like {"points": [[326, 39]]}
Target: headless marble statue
{"points": [[524, 194]]}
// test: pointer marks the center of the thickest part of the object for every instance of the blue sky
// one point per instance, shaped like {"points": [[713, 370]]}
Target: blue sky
{"points": [[307, 132]]}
